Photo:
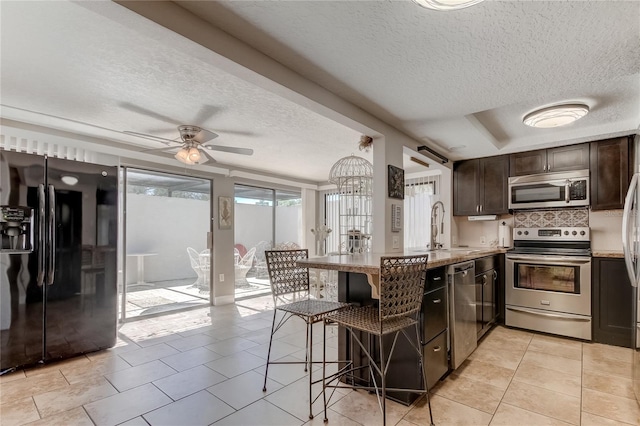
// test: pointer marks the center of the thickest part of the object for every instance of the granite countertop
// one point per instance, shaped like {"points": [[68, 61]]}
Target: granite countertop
{"points": [[369, 263], [608, 253]]}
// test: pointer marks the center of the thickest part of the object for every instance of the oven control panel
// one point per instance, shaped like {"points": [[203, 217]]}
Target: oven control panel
{"points": [[552, 234]]}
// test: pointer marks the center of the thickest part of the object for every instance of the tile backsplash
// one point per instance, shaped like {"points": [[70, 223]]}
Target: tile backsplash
{"points": [[552, 218]]}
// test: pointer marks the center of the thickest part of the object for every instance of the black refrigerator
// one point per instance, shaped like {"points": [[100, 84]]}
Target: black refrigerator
{"points": [[58, 266]]}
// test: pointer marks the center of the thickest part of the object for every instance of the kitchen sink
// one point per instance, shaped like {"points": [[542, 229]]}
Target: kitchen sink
{"points": [[462, 251]]}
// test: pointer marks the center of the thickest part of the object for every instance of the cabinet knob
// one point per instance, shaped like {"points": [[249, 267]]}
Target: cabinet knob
{"points": [[437, 278], [437, 348], [437, 300]]}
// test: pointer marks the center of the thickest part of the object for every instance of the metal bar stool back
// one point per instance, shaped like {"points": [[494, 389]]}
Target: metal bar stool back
{"points": [[401, 289], [291, 296]]}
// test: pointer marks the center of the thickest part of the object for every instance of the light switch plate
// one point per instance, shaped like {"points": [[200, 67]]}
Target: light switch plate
{"points": [[395, 242], [221, 278]]}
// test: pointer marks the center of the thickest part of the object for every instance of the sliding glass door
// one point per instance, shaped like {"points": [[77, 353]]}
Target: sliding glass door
{"points": [[167, 218]]}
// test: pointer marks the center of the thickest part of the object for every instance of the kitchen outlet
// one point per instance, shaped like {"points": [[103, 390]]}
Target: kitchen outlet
{"points": [[395, 242], [455, 240], [483, 240], [221, 278]]}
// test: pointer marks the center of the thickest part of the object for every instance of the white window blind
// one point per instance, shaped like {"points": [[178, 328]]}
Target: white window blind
{"points": [[419, 195]]}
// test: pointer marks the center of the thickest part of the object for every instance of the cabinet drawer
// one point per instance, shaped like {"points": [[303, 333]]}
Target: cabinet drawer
{"points": [[435, 358], [435, 278], [434, 310]]}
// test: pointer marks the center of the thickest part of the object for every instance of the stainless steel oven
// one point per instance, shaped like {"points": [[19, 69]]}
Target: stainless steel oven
{"points": [[564, 189], [548, 281]]}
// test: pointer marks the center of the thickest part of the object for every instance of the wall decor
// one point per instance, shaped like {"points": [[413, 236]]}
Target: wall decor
{"points": [[396, 217], [225, 213], [395, 178]]}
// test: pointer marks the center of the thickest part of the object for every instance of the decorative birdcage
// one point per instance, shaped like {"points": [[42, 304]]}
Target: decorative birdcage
{"points": [[354, 178]]}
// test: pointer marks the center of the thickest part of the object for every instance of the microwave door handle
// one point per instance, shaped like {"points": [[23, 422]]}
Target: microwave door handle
{"points": [[567, 187], [629, 246]]}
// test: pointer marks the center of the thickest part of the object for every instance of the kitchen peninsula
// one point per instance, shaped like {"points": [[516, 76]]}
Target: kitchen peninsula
{"points": [[358, 283]]}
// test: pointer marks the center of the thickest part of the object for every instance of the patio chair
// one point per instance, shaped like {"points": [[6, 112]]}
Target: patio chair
{"points": [[261, 260], [287, 245], [194, 257], [205, 267], [242, 250], [244, 264]]}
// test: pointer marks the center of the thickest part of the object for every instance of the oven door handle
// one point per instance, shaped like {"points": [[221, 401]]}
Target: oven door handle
{"points": [[559, 315], [552, 260]]}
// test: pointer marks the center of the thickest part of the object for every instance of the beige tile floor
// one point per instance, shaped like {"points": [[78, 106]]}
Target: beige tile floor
{"points": [[206, 366]]}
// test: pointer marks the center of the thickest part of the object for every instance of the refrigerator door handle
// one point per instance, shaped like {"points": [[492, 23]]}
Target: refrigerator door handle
{"points": [[52, 236], [41, 233], [627, 246]]}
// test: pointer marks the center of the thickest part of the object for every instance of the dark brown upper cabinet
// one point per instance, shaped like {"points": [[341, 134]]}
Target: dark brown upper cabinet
{"points": [[561, 159], [480, 186], [610, 173]]}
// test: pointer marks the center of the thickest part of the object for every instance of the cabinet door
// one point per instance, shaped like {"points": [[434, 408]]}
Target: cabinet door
{"points": [[612, 303], [565, 158], [434, 307], [493, 185], [609, 173], [435, 359], [489, 312], [465, 188], [528, 163]]}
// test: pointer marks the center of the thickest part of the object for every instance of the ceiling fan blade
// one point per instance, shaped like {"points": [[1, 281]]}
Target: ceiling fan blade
{"points": [[208, 157], [140, 110], [151, 137], [231, 149], [166, 149], [235, 132], [206, 113], [205, 136]]}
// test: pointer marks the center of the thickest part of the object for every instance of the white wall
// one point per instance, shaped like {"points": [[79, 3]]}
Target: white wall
{"points": [[289, 224], [166, 226], [253, 224]]}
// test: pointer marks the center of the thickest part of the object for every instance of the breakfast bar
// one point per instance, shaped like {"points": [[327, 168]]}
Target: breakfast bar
{"points": [[358, 284]]}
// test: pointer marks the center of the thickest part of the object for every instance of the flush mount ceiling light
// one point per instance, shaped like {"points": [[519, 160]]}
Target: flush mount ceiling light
{"points": [[555, 116], [69, 180], [446, 4]]}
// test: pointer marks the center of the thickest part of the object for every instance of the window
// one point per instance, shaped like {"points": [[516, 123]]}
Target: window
{"points": [[419, 196]]}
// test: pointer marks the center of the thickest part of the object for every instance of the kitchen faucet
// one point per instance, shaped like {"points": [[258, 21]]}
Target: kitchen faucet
{"points": [[434, 228]]}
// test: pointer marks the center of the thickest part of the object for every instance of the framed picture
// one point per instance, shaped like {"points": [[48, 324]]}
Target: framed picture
{"points": [[225, 213], [395, 177]]}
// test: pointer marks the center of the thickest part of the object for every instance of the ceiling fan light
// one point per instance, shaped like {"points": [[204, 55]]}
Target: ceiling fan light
{"points": [[446, 4], [555, 116], [183, 156], [194, 154]]}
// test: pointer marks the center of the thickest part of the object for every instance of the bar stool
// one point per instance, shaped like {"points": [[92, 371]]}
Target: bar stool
{"points": [[290, 290], [401, 291]]}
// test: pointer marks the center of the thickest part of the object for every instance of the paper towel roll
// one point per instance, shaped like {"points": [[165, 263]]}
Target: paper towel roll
{"points": [[504, 235]]}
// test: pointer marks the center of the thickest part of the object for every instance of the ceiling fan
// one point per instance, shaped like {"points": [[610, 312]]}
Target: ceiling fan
{"points": [[191, 145]]}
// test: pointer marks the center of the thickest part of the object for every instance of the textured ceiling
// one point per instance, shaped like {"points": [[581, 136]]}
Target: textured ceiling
{"points": [[457, 78], [98, 69], [462, 78]]}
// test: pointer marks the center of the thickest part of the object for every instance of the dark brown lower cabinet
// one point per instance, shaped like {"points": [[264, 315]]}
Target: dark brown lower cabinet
{"points": [[612, 302]]}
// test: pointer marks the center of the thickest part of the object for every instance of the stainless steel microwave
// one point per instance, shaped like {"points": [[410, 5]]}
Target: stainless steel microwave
{"points": [[545, 190]]}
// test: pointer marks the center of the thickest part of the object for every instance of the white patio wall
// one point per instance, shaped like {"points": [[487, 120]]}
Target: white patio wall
{"points": [[254, 224], [166, 226]]}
